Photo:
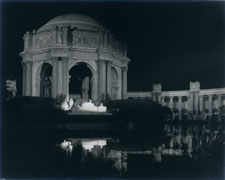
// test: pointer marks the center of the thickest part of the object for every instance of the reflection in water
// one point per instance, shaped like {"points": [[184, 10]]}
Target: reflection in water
{"points": [[89, 144], [191, 141]]}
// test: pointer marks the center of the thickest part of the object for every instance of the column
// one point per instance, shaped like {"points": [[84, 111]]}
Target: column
{"points": [[219, 102], [124, 83], [54, 77], [28, 78], [188, 106], [171, 102], [65, 75], [60, 76], [24, 79], [101, 78], [109, 83], [120, 78], [94, 89], [210, 106], [201, 104], [191, 103], [180, 107], [196, 103], [104, 78]]}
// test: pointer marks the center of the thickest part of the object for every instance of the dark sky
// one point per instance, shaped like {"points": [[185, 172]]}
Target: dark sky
{"points": [[171, 43]]}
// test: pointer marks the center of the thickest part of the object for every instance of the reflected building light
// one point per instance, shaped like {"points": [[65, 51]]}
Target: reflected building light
{"points": [[89, 144]]}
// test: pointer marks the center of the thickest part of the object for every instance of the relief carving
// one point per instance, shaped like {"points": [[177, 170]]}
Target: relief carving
{"points": [[43, 41], [77, 40], [90, 41], [84, 40]]}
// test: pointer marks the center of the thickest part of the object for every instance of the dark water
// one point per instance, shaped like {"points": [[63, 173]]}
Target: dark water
{"points": [[183, 151]]}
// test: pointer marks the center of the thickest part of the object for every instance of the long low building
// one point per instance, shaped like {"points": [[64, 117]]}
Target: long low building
{"points": [[194, 103]]}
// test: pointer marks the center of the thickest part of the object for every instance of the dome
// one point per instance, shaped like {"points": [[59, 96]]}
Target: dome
{"points": [[72, 20]]}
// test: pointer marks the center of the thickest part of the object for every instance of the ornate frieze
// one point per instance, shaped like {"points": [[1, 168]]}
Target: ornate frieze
{"points": [[84, 40], [43, 41]]}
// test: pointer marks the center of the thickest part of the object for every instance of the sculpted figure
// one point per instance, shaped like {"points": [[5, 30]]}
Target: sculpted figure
{"points": [[59, 35], [10, 88], [26, 41], [85, 88], [47, 87]]}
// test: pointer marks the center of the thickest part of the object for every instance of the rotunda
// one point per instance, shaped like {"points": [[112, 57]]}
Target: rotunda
{"points": [[74, 55]]}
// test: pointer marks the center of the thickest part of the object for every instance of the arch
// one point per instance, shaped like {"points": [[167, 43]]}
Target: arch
{"points": [[88, 64], [184, 100], [215, 102], [115, 83], [42, 79], [80, 81], [46, 80], [175, 103]]}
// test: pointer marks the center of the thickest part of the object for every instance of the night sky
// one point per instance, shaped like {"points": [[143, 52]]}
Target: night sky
{"points": [[169, 43]]}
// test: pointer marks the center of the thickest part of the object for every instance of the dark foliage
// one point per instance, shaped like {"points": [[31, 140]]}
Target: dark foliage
{"points": [[144, 118], [31, 111]]}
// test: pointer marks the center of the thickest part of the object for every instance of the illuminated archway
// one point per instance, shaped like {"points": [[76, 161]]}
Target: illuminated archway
{"points": [[46, 80], [80, 81]]}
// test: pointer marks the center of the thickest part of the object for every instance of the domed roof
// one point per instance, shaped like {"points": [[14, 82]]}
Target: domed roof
{"points": [[71, 19]]}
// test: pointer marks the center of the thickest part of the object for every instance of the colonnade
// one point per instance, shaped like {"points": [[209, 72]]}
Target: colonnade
{"points": [[202, 104], [194, 103]]}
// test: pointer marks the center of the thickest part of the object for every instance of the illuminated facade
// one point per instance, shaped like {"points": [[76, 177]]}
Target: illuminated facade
{"points": [[53, 52]]}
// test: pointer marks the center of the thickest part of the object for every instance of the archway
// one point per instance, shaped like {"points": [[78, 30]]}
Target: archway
{"points": [[115, 83], [46, 80], [80, 81]]}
